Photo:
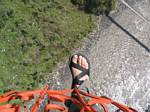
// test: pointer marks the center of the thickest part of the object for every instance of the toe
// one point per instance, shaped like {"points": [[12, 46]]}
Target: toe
{"points": [[83, 63], [86, 64], [80, 60], [75, 59]]}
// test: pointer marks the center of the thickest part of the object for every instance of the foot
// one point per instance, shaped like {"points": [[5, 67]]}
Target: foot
{"points": [[82, 62]]}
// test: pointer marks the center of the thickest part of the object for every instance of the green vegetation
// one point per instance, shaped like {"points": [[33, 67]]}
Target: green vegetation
{"points": [[37, 34], [96, 6], [34, 36]]}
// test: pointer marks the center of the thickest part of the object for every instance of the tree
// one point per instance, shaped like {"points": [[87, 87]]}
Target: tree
{"points": [[96, 6]]}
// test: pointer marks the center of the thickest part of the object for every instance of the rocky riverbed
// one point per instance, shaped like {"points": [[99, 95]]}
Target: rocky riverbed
{"points": [[119, 51]]}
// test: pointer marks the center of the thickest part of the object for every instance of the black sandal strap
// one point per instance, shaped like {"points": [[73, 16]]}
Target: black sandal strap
{"points": [[77, 66], [77, 81], [82, 74]]}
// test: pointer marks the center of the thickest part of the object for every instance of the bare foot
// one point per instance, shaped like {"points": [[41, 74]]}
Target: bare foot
{"points": [[83, 63]]}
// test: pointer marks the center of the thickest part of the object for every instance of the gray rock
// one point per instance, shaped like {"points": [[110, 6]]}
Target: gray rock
{"points": [[120, 58]]}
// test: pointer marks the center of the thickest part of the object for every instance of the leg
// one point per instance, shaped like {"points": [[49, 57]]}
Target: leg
{"points": [[80, 70], [79, 66]]}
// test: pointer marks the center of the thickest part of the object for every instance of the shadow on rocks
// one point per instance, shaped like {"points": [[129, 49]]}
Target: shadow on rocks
{"points": [[129, 34]]}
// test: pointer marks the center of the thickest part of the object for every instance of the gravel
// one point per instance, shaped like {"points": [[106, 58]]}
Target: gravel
{"points": [[119, 51]]}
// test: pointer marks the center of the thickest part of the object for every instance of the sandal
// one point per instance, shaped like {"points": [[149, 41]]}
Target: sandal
{"points": [[76, 80]]}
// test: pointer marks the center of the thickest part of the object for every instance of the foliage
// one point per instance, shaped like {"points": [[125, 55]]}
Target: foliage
{"points": [[96, 6], [34, 36]]}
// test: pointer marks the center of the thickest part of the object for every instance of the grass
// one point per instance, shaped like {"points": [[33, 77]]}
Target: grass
{"points": [[34, 36]]}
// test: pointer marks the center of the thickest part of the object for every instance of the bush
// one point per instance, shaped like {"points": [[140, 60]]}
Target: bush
{"points": [[79, 2], [96, 6]]}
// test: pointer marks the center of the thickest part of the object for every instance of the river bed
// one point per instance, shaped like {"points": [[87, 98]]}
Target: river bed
{"points": [[120, 59]]}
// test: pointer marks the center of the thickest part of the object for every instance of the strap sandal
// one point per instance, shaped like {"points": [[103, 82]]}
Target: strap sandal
{"points": [[77, 80]]}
